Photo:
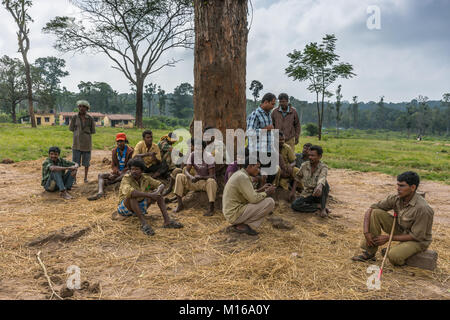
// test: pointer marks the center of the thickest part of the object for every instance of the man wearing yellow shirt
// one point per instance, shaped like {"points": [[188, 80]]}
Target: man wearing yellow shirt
{"points": [[243, 206], [288, 171], [150, 153]]}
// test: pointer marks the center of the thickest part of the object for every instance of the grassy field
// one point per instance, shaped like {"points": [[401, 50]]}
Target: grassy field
{"points": [[384, 152]]}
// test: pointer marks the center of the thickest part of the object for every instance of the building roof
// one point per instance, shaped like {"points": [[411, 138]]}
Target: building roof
{"points": [[120, 117], [92, 114]]}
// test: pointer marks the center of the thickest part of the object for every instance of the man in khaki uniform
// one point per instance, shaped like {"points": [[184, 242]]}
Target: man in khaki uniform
{"points": [[150, 153], [287, 172], [413, 227], [204, 179], [244, 207], [313, 177], [137, 191]]}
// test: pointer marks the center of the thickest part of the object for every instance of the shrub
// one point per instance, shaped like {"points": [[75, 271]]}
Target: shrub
{"points": [[311, 129]]}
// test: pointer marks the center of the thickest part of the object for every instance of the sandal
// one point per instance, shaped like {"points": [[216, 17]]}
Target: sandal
{"points": [[173, 225], [363, 257], [96, 197], [247, 230], [147, 230]]}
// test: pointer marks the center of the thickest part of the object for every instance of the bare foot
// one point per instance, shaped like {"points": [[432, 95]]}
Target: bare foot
{"points": [[116, 216], [209, 213], [86, 181], [323, 213], [65, 195], [179, 208]]}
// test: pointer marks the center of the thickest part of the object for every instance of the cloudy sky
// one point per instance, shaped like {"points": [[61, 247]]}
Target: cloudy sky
{"points": [[408, 55]]}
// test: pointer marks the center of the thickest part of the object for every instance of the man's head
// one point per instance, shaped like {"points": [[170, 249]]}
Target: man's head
{"points": [[281, 139], [283, 98], [252, 169], [53, 153], [200, 142], [83, 106], [212, 137], [407, 183], [306, 147], [268, 101], [315, 154], [137, 168], [121, 140], [148, 137], [172, 138]]}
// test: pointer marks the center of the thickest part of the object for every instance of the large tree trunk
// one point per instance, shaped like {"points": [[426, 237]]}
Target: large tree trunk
{"points": [[220, 63], [13, 112], [139, 102], [29, 88]]}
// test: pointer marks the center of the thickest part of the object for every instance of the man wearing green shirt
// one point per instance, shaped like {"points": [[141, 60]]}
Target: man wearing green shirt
{"points": [[54, 174], [243, 206]]}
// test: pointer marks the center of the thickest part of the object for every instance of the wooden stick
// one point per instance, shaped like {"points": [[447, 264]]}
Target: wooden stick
{"points": [[388, 246], [46, 275]]}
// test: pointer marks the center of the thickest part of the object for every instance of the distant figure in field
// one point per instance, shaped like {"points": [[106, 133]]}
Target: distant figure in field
{"points": [[285, 118], [58, 174], [137, 192], [413, 227], [150, 153], [83, 126], [243, 206], [119, 165], [313, 177]]}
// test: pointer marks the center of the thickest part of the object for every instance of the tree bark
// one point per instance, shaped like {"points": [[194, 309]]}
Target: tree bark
{"points": [[13, 112], [139, 102], [29, 88], [220, 63]]}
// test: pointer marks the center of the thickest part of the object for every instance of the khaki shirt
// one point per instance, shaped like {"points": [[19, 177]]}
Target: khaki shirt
{"points": [[237, 194], [129, 184], [82, 131], [414, 218], [142, 148], [311, 180]]}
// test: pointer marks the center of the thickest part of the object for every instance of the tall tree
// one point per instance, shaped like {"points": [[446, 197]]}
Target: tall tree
{"points": [[162, 101], [319, 64], [49, 71], [133, 34], [355, 111], [150, 90], [446, 102], [380, 113], [182, 105], [255, 88], [19, 11], [423, 115], [220, 60], [12, 84], [338, 108]]}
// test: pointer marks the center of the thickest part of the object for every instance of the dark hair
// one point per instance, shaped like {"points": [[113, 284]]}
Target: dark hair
{"points": [[283, 96], [146, 132], [318, 149], [204, 144], [280, 133], [54, 149], [410, 177], [247, 162], [207, 128], [308, 144], [268, 97], [137, 162]]}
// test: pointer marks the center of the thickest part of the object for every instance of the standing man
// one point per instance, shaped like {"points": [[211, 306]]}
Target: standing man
{"points": [[83, 126], [204, 179], [413, 230], [150, 153], [119, 165], [54, 174], [243, 206], [313, 176], [261, 119], [285, 118]]}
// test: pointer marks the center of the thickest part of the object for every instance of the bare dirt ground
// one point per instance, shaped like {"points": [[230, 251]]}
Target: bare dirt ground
{"points": [[202, 260]]}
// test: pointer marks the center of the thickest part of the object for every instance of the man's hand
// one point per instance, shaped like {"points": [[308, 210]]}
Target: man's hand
{"points": [[160, 189], [380, 240], [269, 127], [369, 239], [318, 191], [196, 178], [270, 190], [73, 173]]}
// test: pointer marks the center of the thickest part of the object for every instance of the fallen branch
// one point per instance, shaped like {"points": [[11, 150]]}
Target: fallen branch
{"points": [[48, 278]]}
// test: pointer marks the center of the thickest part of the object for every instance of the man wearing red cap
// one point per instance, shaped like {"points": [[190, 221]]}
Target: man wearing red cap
{"points": [[120, 157]]}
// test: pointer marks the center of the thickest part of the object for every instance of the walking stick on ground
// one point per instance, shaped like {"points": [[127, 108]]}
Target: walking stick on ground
{"points": [[388, 246]]}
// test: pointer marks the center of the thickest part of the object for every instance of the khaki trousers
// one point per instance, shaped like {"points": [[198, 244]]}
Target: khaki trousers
{"points": [[254, 214], [175, 172], [184, 184], [381, 220], [284, 182]]}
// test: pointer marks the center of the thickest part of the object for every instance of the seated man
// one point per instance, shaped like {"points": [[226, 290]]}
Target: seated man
{"points": [[413, 227], [204, 179], [287, 172], [54, 174], [134, 196], [302, 157], [313, 176], [120, 157], [244, 207], [167, 165], [149, 152]]}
